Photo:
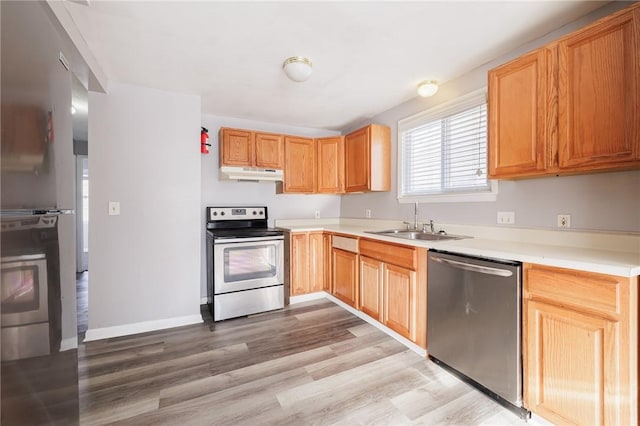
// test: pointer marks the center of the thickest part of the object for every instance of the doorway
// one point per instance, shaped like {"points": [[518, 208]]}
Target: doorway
{"points": [[80, 120]]}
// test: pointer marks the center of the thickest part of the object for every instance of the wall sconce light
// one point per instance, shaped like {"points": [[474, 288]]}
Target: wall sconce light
{"points": [[427, 88], [297, 68]]}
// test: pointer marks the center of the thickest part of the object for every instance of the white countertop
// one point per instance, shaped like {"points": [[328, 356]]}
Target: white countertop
{"points": [[613, 254]]}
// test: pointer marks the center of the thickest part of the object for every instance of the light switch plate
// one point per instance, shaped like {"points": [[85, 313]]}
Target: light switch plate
{"points": [[114, 208]]}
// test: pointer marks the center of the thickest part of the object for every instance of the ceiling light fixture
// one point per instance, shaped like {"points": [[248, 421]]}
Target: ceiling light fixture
{"points": [[427, 88], [297, 68]]}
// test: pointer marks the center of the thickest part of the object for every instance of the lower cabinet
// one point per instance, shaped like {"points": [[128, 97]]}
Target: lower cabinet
{"points": [[580, 338], [400, 294], [371, 292], [393, 287], [307, 270], [345, 275]]}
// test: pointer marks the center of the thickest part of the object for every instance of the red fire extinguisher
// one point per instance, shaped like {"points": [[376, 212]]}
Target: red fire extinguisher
{"points": [[204, 135]]}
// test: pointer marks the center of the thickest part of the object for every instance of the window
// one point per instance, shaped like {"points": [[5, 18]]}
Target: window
{"points": [[442, 153]]}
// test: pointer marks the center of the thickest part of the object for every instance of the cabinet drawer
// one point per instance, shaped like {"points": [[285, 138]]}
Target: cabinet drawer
{"points": [[390, 253], [584, 290], [345, 243]]}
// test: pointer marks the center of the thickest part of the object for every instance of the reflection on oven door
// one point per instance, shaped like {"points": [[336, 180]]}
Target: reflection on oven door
{"points": [[245, 266]]}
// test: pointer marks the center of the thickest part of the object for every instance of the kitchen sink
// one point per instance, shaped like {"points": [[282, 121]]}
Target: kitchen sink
{"points": [[417, 235]]}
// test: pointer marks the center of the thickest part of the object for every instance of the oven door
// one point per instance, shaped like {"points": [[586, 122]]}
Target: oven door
{"points": [[24, 290], [247, 263]]}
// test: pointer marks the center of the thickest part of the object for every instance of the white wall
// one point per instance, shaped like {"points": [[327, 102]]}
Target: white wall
{"points": [[279, 206], [604, 201], [144, 152]]}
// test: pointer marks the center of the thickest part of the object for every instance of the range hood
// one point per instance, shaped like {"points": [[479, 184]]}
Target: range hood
{"points": [[250, 174]]}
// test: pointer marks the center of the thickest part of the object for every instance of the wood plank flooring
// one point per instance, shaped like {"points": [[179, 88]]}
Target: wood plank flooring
{"points": [[311, 363]]}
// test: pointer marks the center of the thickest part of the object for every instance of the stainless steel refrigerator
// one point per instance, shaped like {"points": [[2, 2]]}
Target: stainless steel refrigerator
{"points": [[39, 374]]}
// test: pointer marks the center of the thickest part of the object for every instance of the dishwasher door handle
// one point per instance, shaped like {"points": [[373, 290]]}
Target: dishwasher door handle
{"points": [[474, 268]]}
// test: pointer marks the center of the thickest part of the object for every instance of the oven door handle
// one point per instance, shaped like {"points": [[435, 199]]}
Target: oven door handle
{"points": [[246, 240]]}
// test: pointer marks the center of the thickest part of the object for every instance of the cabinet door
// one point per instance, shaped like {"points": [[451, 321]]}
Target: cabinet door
{"points": [[519, 116], [316, 262], [571, 365], [371, 287], [400, 300], [299, 165], [599, 95], [269, 150], [236, 147], [345, 275], [330, 162], [299, 258], [357, 160], [327, 285]]}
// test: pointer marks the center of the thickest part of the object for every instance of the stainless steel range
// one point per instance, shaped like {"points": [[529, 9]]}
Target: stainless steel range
{"points": [[245, 262]]}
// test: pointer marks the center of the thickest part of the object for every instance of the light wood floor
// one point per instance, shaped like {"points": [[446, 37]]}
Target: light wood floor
{"points": [[311, 363]]}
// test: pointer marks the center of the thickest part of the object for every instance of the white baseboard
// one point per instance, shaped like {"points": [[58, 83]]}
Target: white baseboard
{"points": [[204, 300], [140, 327], [69, 343], [307, 297], [319, 295]]}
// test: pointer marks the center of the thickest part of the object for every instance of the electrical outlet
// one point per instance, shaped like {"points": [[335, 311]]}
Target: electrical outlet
{"points": [[367, 213], [114, 208], [506, 218], [317, 214], [564, 221]]}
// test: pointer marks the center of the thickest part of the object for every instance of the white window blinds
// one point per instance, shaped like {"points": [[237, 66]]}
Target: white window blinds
{"points": [[444, 150]]}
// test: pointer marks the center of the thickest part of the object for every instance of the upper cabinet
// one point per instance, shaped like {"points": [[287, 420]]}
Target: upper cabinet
{"points": [[518, 123], [571, 106], [358, 162], [368, 159], [269, 150], [598, 94], [252, 149], [330, 165], [299, 166]]}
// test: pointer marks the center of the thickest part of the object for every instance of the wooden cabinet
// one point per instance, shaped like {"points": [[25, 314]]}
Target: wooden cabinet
{"points": [[393, 287], [23, 138], [307, 269], [251, 149], [580, 340], [299, 261], [330, 165], [368, 159], [326, 242], [299, 166], [314, 165], [269, 151], [345, 276], [599, 94], [572, 106], [518, 120], [371, 287]]}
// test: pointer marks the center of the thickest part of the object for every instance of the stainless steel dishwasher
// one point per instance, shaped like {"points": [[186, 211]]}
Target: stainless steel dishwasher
{"points": [[474, 323]]}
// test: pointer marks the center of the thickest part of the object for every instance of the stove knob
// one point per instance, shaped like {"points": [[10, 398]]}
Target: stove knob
{"points": [[215, 213], [221, 213], [254, 213], [261, 213]]}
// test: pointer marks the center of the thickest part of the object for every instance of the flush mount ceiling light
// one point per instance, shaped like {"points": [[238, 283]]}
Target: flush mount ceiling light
{"points": [[427, 88], [297, 68]]}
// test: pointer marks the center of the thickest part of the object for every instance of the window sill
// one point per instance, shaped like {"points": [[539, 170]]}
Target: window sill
{"points": [[467, 197]]}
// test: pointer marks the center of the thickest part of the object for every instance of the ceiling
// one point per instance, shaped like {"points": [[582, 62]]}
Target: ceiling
{"points": [[367, 56]]}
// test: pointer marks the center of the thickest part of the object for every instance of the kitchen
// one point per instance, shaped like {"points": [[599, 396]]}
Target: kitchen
{"points": [[176, 182]]}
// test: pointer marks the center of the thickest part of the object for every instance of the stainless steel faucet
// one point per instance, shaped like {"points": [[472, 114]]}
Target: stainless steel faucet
{"points": [[430, 225], [415, 216]]}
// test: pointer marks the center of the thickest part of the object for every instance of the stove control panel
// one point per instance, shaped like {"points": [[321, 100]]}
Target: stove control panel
{"points": [[235, 213]]}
